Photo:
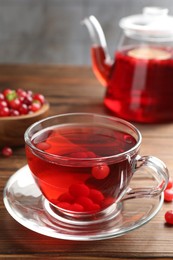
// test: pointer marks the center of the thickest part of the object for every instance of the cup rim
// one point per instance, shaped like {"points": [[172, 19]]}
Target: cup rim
{"points": [[100, 159]]}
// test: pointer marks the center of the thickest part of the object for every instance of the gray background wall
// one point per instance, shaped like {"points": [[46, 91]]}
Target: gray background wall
{"points": [[49, 31]]}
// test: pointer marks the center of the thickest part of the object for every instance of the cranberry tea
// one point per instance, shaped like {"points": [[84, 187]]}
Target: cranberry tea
{"points": [[76, 168], [139, 84]]}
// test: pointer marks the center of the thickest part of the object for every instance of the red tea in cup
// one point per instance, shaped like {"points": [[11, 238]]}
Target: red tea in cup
{"points": [[83, 163], [79, 183]]}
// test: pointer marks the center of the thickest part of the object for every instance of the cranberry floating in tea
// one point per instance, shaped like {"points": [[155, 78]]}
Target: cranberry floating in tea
{"points": [[139, 80]]}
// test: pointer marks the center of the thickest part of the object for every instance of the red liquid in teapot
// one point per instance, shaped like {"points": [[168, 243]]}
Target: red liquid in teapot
{"points": [[140, 84], [81, 186]]}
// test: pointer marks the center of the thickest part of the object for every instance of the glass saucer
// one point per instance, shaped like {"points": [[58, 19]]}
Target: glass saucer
{"points": [[25, 203]]}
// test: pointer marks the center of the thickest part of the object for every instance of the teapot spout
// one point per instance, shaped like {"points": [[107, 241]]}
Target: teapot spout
{"points": [[101, 61]]}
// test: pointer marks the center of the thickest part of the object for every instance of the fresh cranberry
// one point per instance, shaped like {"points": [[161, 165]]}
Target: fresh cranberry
{"points": [[170, 184], [2, 96], [169, 217], [29, 93], [15, 103], [28, 100], [23, 109], [35, 106], [7, 151], [19, 100], [21, 93], [3, 103], [4, 111], [7, 91], [168, 195], [39, 97], [11, 96], [14, 112]]}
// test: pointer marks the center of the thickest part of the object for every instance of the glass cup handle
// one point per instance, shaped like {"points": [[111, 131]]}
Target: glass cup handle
{"points": [[157, 169]]}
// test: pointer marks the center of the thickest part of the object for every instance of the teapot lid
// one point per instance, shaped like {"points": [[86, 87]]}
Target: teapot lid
{"points": [[154, 24]]}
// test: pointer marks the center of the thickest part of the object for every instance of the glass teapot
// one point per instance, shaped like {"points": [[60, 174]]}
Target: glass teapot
{"points": [[139, 80]]}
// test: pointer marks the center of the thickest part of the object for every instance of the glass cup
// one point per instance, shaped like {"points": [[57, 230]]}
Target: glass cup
{"points": [[83, 164]]}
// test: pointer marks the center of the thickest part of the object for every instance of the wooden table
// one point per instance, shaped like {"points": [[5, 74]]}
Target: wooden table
{"points": [[75, 89]]}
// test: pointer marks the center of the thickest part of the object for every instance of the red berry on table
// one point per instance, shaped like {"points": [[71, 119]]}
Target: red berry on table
{"points": [[170, 184], [168, 195], [100, 171], [169, 217], [7, 151]]}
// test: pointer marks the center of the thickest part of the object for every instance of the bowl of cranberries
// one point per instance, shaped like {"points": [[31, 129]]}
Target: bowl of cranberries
{"points": [[19, 109]]}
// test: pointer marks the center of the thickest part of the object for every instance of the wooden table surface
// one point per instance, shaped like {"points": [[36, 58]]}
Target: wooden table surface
{"points": [[75, 89]]}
